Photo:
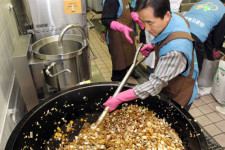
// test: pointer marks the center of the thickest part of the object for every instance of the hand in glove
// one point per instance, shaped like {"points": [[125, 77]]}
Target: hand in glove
{"points": [[124, 96], [216, 54], [135, 17], [122, 28], [146, 49]]}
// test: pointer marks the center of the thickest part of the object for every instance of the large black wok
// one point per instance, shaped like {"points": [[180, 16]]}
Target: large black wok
{"points": [[85, 101]]}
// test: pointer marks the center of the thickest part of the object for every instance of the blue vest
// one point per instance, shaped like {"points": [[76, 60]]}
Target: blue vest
{"points": [[204, 16], [119, 13], [183, 45]]}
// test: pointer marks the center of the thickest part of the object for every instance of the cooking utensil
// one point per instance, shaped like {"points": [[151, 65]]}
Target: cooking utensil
{"points": [[106, 110], [66, 58], [37, 128]]}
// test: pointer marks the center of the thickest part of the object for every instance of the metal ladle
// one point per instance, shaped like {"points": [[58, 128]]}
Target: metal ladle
{"points": [[134, 64]]}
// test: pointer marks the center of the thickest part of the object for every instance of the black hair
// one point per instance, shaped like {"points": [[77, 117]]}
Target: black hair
{"points": [[223, 1], [160, 6]]}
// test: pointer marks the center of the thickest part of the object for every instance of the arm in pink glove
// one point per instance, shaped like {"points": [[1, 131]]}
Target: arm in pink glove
{"points": [[146, 49], [124, 96], [135, 17], [122, 28]]}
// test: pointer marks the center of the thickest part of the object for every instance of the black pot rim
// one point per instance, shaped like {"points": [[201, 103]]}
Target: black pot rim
{"points": [[14, 135]]}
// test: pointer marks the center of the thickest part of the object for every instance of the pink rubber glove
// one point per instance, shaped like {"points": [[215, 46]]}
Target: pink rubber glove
{"points": [[122, 28], [124, 96], [146, 49], [216, 54], [135, 17]]}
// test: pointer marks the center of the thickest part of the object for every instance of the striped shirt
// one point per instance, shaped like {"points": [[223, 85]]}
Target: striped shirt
{"points": [[169, 66]]}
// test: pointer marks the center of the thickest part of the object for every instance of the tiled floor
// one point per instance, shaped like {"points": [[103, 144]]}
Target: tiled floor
{"points": [[103, 61], [203, 109]]}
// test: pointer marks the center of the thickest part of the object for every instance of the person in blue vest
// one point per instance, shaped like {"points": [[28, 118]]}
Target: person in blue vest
{"points": [[104, 29], [176, 68], [118, 19], [207, 22]]}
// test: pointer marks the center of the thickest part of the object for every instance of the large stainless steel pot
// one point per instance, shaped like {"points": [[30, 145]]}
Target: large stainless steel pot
{"points": [[86, 102], [67, 56]]}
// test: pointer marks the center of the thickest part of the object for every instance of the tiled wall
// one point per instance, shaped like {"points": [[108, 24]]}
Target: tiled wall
{"points": [[8, 37]]}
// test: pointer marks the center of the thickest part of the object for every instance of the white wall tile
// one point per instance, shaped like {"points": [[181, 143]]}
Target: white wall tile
{"points": [[8, 38]]}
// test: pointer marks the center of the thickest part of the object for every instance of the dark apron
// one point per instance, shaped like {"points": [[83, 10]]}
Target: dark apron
{"points": [[180, 88], [122, 52]]}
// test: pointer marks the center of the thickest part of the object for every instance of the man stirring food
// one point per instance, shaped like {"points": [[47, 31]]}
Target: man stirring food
{"points": [[176, 69]]}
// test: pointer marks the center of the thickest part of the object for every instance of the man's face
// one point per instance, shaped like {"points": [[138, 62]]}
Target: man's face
{"points": [[154, 25]]}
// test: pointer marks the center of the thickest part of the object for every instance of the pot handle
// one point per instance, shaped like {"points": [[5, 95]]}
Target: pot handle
{"points": [[134, 64], [52, 65]]}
